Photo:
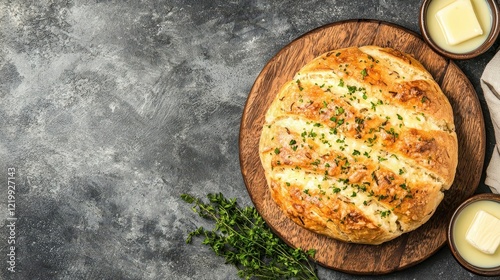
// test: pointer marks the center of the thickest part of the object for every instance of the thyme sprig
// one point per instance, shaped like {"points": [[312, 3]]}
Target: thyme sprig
{"points": [[242, 237]]}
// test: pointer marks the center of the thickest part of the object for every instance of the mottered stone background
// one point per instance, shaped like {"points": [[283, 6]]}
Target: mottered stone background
{"points": [[109, 110]]}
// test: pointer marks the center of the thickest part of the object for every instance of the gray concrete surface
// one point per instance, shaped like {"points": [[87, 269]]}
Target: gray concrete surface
{"points": [[109, 110]]}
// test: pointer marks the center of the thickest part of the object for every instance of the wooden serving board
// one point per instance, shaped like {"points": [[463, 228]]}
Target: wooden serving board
{"points": [[408, 249]]}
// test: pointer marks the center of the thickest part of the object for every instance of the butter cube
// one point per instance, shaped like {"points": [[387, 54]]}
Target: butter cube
{"points": [[458, 22], [484, 232]]}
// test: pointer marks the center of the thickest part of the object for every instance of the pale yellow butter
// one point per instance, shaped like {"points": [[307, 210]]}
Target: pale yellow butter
{"points": [[484, 232], [458, 22]]}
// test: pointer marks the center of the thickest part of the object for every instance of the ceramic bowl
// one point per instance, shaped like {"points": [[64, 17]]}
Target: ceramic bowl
{"points": [[494, 271], [490, 40]]}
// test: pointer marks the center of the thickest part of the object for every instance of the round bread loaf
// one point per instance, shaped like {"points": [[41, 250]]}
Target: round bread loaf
{"points": [[360, 145]]}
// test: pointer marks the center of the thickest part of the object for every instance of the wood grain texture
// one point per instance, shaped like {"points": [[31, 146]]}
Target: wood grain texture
{"points": [[411, 248]]}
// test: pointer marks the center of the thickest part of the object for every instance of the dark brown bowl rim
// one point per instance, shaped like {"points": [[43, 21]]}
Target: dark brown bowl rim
{"points": [[493, 271], [490, 40]]}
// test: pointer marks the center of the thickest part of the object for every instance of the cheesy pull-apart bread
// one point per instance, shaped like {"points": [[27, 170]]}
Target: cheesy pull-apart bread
{"points": [[360, 145]]}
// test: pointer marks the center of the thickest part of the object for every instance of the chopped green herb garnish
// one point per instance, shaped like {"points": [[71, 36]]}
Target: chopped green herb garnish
{"points": [[299, 85], [385, 213], [316, 162], [364, 73], [380, 159]]}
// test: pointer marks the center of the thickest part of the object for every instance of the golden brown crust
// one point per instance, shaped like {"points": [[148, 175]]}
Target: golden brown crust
{"points": [[360, 145]]}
